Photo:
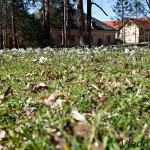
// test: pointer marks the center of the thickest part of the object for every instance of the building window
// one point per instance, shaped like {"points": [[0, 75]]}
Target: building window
{"points": [[108, 38], [72, 38], [129, 23]]}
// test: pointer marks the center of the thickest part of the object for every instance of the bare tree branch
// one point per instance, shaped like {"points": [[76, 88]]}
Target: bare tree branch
{"points": [[99, 8]]}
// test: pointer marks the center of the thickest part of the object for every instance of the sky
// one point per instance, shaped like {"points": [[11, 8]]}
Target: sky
{"points": [[97, 13]]}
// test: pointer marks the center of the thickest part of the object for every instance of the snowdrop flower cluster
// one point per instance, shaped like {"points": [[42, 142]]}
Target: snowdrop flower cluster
{"points": [[126, 50], [1, 51], [64, 52], [42, 59]]}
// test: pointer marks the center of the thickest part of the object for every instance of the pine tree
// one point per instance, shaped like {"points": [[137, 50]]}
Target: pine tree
{"points": [[122, 8]]}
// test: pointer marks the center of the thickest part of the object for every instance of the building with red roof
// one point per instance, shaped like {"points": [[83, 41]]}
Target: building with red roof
{"points": [[136, 30]]}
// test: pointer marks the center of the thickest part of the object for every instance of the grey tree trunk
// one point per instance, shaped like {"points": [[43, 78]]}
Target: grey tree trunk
{"points": [[13, 26], [89, 23], [1, 33], [66, 24], [123, 27], [81, 21], [1, 36], [46, 22]]}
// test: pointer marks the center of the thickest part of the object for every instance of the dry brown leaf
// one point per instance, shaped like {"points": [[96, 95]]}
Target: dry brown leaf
{"points": [[126, 64], [135, 71], [113, 84], [148, 111], [129, 83], [100, 94], [7, 95], [8, 91], [78, 116], [29, 111], [40, 86], [53, 100], [82, 130], [147, 74], [102, 99]]}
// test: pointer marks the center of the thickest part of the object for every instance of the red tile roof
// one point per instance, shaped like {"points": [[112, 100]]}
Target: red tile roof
{"points": [[115, 24], [140, 22]]}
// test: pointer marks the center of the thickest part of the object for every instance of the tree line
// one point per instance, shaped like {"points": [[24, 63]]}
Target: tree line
{"points": [[34, 28]]}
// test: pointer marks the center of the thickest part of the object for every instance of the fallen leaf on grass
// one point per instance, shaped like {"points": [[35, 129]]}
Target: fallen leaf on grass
{"points": [[1, 147], [102, 99], [29, 74], [148, 111], [100, 94], [78, 116], [135, 71], [54, 99], [39, 86], [147, 74], [7, 95], [94, 86], [8, 91], [2, 135], [129, 83], [29, 111], [60, 102], [82, 130], [113, 84], [54, 104], [126, 64]]}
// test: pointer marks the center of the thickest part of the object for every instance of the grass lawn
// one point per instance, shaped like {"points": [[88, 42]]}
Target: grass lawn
{"points": [[75, 99]]}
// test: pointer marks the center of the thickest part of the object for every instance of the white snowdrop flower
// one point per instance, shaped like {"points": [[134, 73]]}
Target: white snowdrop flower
{"points": [[1, 51], [2, 135], [132, 52], [134, 60], [42, 59], [104, 49], [127, 50]]}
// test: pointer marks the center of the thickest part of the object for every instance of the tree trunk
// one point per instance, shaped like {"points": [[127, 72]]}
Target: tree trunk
{"points": [[63, 28], [1, 32], [89, 23], [13, 26], [6, 26], [1, 36], [46, 22], [81, 21], [149, 7], [123, 27], [66, 24]]}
